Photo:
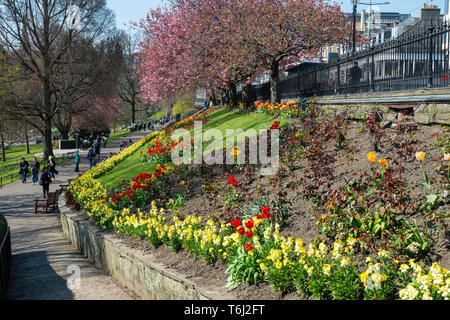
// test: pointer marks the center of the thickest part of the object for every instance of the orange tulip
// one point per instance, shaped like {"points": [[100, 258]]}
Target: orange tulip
{"points": [[384, 163], [372, 157], [235, 153]]}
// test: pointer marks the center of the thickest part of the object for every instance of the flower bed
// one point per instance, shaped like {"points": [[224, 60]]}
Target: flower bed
{"points": [[350, 262], [289, 109]]}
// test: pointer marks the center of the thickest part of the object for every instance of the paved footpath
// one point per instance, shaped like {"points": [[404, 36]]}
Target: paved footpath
{"points": [[42, 258]]}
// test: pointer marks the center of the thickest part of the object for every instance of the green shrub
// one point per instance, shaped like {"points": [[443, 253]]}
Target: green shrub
{"points": [[184, 104], [189, 113]]}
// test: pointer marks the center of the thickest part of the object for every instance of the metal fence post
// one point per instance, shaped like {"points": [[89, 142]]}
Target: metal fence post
{"points": [[430, 59], [372, 73], [338, 81]]}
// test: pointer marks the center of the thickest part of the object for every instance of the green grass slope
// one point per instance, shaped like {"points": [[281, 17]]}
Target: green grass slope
{"points": [[221, 120]]}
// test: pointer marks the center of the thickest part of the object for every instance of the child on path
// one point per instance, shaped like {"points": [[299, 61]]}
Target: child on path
{"points": [[52, 167], [45, 181]]}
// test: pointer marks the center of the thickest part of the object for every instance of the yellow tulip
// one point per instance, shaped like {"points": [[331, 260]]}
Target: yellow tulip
{"points": [[420, 156]]}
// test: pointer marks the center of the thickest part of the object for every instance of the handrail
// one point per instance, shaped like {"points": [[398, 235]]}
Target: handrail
{"points": [[5, 262], [11, 176]]}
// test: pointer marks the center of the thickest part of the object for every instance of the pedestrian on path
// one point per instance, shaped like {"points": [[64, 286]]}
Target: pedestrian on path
{"points": [[24, 165], [52, 167], [97, 147], [91, 157], [45, 181], [35, 167], [77, 162]]}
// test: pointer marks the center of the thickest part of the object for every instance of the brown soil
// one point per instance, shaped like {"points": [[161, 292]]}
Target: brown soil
{"points": [[300, 224]]}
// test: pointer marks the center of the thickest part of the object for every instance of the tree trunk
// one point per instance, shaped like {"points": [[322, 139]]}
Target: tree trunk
{"points": [[227, 97], [47, 143], [275, 96], [63, 122], [213, 99], [233, 95], [27, 142], [46, 87], [2, 138], [133, 112], [247, 96]]}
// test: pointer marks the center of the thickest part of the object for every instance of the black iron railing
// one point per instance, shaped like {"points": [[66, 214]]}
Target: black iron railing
{"points": [[411, 62], [5, 263], [4, 180]]}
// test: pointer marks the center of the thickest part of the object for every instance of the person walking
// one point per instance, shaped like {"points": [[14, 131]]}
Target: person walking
{"points": [[91, 157], [35, 167], [355, 75], [24, 165], [52, 167], [97, 150], [77, 162], [45, 181]]}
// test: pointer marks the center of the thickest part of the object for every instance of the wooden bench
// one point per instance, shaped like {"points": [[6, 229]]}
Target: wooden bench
{"points": [[64, 187], [51, 201]]}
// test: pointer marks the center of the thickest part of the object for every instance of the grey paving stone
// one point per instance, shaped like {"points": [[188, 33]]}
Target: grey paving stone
{"points": [[41, 255]]}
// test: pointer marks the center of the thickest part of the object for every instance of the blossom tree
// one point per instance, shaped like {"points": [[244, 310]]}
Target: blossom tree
{"points": [[103, 113], [289, 29], [218, 44], [195, 43]]}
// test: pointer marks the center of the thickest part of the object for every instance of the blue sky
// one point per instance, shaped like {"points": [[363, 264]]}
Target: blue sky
{"points": [[403, 6], [127, 10]]}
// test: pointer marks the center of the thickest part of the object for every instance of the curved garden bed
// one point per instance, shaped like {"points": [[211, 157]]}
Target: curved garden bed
{"points": [[365, 216]]}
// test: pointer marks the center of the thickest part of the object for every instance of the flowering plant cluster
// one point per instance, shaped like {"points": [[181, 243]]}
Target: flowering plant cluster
{"points": [[255, 252], [111, 162], [143, 189], [252, 246], [282, 110], [160, 151], [275, 125]]}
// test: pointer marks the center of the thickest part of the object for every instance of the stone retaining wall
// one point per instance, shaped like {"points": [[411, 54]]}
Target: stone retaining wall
{"points": [[139, 272], [425, 114], [430, 106]]}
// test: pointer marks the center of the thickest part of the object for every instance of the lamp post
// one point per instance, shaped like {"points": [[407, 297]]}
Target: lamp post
{"points": [[370, 4], [355, 10]]}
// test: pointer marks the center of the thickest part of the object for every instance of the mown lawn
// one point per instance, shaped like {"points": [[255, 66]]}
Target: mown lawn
{"points": [[222, 120], [119, 135], [126, 170], [15, 153]]}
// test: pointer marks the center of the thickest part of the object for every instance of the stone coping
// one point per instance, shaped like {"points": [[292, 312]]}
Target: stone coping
{"points": [[138, 271], [386, 99], [393, 94]]}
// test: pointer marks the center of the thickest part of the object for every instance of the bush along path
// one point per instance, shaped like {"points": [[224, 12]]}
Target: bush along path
{"points": [[370, 234], [45, 266]]}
